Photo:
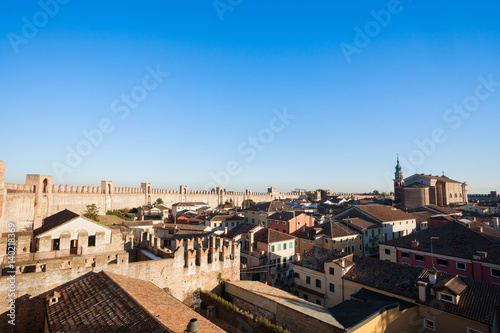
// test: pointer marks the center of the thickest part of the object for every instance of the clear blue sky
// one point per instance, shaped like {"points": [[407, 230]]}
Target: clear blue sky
{"points": [[357, 99]]}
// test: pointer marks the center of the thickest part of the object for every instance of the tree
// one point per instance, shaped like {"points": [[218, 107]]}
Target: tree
{"points": [[375, 192], [249, 202], [159, 201], [92, 212], [323, 193]]}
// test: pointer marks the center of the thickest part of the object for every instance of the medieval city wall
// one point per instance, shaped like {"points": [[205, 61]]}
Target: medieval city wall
{"points": [[25, 203]]}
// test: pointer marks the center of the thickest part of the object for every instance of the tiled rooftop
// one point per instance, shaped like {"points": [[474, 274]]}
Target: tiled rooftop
{"points": [[268, 235], [107, 302], [455, 239], [316, 257], [55, 220], [384, 213], [479, 300]]}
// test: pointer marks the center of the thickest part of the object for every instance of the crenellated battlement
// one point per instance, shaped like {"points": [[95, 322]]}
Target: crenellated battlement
{"points": [[39, 197], [195, 263]]}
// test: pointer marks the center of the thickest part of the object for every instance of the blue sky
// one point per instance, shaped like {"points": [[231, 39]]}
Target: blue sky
{"points": [[354, 91]]}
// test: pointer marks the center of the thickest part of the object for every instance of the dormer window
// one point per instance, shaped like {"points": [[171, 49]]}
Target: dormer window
{"points": [[446, 298]]}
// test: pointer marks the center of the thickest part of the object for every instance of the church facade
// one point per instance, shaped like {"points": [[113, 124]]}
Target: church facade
{"points": [[420, 190]]}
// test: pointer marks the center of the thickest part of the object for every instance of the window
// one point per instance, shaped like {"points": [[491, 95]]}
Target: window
{"points": [[272, 248], [361, 247], [405, 255], [308, 280], [388, 252], [352, 248], [291, 244], [419, 257], [55, 244], [284, 246], [306, 297], [326, 241], [318, 301], [332, 287], [318, 283], [279, 247], [446, 298], [332, 271], [442, 262], [461, 266], [341, 241], [253, 221], [303, 241], [495, 272], [333, 242], [91, 241], [429, 324], [298, 223], [284, 223]]}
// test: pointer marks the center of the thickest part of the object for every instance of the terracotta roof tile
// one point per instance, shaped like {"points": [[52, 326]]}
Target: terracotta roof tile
{"points": [[107, 302], [267, 235], [385, 213]]}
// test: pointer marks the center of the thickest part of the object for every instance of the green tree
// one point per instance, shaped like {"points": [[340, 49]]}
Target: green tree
{"points": [[159, 201], [249, 202], [92, 212], [376, 192]]}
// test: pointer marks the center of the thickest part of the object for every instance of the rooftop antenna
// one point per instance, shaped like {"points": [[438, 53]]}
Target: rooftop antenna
{"points": [[443, 174]]}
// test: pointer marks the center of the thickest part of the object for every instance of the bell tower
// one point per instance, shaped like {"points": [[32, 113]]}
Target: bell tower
{"points": [[399, 184]]}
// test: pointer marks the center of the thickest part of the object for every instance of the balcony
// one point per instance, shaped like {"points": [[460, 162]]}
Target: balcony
{"points": [[374, 238]]}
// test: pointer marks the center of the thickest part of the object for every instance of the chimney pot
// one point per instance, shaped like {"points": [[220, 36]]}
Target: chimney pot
{"points": [[193, 326], [422, 291]]}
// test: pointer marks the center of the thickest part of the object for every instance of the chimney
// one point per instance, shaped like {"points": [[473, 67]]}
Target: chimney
{"points": [[414, 243], [297, 256], [193, 326], [342, 263], [225, 230], [432, 276], [495, 223], [422, 291], [53, 298]]}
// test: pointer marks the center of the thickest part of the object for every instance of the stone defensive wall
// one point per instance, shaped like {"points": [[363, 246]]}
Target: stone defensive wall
{"points": [[196, 263], [39, 197]]}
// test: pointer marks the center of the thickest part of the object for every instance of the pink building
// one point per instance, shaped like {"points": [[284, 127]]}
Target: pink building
{"points": [[470, 250], [289, 222]]}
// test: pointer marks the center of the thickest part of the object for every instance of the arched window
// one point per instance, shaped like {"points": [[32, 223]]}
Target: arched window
{"points": [[109, 188], [451, 195], [45, 184]]}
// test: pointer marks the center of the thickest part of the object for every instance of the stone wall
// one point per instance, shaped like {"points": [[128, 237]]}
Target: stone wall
{"points": [[180, 273], [39, 198]]}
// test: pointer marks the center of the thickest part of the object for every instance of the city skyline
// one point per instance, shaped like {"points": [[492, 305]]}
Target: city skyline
{"points": [[250, 95]]}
